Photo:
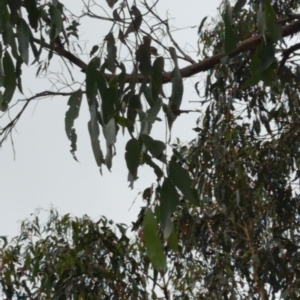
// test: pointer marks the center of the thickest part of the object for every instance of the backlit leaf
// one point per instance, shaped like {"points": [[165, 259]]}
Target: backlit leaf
{"points": [[110, 134], [182, 180], [152, 241]]}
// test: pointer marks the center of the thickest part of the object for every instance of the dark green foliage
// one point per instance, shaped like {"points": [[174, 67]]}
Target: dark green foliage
{"points": [[222, 220]]}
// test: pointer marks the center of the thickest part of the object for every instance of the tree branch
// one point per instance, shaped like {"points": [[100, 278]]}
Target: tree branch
{"points": [[189, 70]]}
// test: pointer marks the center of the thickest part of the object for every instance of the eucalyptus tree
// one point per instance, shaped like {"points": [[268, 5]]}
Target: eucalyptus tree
{"points": [[222, 220]]}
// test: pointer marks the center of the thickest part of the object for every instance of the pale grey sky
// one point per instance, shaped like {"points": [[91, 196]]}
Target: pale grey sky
{"points": [[43, 172]]}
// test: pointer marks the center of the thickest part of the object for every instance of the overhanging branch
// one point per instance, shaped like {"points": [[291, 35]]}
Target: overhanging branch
{"points": [[192, 69]]}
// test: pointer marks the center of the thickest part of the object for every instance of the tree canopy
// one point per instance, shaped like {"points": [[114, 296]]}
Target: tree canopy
{"points": [[222, 219]]}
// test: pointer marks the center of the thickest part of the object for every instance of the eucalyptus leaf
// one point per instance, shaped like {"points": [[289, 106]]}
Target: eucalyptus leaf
{"points": [[32, 10], [132, 157], [157, 170], [152, 241], [56, 22], [9, 81], [271, 22], [91, 81], [111, 3], [261, 21], [73, 111], [9, 39], [155, 147], [231, 37], [19, 73], [169, 200], [156, 79], [136, 22], [23, 34], [110, 134], [182, 180], [111, 53], [94, 132], [177, 83], [108, 104]]}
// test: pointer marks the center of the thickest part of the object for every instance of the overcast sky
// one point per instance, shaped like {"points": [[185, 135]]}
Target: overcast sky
{"points": [[42, 173]]}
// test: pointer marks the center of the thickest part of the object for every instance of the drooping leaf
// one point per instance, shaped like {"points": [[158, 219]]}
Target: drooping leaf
{"points": [[133, 106], [19, 73], [144, 58], [201, 25], [111, 3], [155, 147], [116, 15], [169, 200], [269, 75], [73, 139], [156, 80], [177, 83], [153, 112], [9, 39], [31, 7], [35, 51], [132, 157], [136, 22], [56, 22], [147, 93], [157, 170], [152, 242], [271, 22], [73, 111], [101, 84], [123, 121], [23, 34], [182, 180], [108, 104], [9, 82], [94, 132], [14, 7], [239, 5], [261, 21], [263, 58], [110, 134], [94, 50], [231, 37], [91, 80], [111, 53], [1, 68], [173, 240]]}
